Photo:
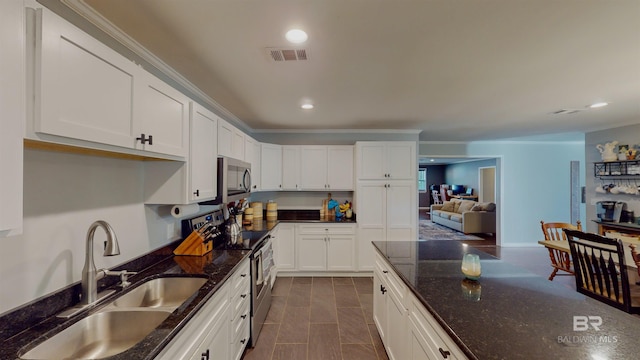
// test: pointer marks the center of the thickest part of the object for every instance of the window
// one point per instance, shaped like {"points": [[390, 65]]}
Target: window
{"points": [[422, 180]]}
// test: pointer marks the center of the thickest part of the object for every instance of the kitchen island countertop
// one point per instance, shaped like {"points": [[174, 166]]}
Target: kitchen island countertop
{"points": [[520, 315]]}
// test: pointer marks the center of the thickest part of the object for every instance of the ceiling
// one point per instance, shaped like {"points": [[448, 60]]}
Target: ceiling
{"points": [[459, 70]]}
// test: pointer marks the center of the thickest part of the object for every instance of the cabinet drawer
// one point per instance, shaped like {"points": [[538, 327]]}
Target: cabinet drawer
{"points": [[240, 338], [390, 279], [238, 323], [241, 277], [239, 301], [430, 330], [326, 229]]}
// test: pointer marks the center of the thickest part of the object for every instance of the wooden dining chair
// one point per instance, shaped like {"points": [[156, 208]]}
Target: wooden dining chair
{"points": [[601, 272], [636, 259], [560, 260], [436, 197]]}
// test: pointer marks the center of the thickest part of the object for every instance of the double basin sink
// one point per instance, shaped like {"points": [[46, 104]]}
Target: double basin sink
{"points": [[121, 323]]}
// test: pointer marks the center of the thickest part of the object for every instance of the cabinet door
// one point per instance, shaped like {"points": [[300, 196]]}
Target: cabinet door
{"points": [[271, 167], [291, 168], [380, 295], [313, 167], [370, 205], [237, 144], [162, 112], [371, 158], [225, 138], [203, 154], [312, 252], [401, 160], [340, 167], [397, 328], [256, 167], [285, 247], [401, 211], [12, 103], [85, 89], [418, 348], [340, 252], [217, 343]]}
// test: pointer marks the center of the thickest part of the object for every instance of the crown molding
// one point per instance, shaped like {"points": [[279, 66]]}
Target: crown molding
{"points": [[102, 23], [338, 131]]}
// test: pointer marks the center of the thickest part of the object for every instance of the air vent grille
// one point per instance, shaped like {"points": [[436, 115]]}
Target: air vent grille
{"points": [[566, 111], [284, 54]]}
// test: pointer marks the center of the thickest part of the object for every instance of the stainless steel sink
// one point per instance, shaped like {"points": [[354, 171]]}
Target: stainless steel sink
{"points": [[167, 292], [99, 335]]}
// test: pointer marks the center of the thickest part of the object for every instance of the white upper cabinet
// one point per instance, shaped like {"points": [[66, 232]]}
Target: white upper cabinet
{"points": [[271, 167], [162, 117], [326, 167], [203, 154], [84, 90], [12, 101], [231, 141], [291, 168], [256, 166], [392, 160], [340, 167]]}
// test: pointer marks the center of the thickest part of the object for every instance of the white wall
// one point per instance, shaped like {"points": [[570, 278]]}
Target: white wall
{"points": [[624, 135], [63, 195], [533, 181]]}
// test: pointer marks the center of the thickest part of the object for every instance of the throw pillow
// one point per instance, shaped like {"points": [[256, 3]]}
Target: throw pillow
{"points": [[466, 205], [485, 206], [456, 204], [447, 206]]}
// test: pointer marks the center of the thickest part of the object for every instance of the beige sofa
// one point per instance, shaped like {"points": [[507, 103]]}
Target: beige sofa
{"points": [[465, 215]]}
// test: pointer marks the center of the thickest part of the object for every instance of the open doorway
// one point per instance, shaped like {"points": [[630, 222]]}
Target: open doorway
{"points": [[480, 176]]}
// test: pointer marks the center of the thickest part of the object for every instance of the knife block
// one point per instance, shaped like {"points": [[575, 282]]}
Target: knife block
{"points": [[194, 245]]}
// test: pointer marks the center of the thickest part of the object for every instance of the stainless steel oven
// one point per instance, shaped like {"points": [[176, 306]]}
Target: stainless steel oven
{"points": [[261, 265]]}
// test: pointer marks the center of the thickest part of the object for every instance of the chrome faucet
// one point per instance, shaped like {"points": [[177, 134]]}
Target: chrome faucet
{"points": [[89, 272]]}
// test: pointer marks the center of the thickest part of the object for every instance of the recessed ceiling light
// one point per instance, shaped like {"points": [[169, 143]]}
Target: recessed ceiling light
{"points": [[307, 106], [296, 36], [432, 160], [598, 105]]}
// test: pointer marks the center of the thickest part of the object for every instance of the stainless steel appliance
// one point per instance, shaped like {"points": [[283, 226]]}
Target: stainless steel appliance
{"points": [[610, 211], [258, 244], [234, 180], [261, 265]]}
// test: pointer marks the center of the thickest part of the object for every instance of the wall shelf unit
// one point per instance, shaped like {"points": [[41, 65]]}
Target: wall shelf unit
{"points": [[617, 169]]}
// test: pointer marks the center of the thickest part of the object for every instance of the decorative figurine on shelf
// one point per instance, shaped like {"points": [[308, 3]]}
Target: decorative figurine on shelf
{"points": [[607, 151]]}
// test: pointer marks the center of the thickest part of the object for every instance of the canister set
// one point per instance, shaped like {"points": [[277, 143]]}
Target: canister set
{"points": [[255, 211]]}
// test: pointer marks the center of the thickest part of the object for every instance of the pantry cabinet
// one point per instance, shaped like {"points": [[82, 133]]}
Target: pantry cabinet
{"points": [[386, 160], [387, 211], [84, 90], [271, 167], [12, 105]]}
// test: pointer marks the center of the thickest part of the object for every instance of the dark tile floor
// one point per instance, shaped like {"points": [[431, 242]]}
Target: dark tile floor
{"points": [[320, 318]]}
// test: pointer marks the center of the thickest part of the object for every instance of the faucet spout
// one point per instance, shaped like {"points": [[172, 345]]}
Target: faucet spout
{"points": [[89, 271]]}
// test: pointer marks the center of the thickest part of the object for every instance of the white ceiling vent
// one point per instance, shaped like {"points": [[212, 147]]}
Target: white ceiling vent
{"points": [[287, 54]]}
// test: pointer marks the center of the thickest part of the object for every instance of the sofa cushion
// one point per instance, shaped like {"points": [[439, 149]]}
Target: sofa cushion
{"points": [[442, 214], [448, 206], [466, 205], [456, 204], [484, 206], [456, 217]]}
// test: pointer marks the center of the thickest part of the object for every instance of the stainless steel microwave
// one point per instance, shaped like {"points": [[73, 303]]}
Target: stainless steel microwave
{"points": [[234, 180]]}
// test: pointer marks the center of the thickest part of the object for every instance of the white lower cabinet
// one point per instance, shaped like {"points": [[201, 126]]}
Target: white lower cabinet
{"points": [[326, 247], [240, 301], [206, 336], [406, 328], [284, 247]]}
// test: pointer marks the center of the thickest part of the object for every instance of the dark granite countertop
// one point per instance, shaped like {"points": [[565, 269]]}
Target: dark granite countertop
{"points": [[26, 327], [311, 216], [519, 315]]}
